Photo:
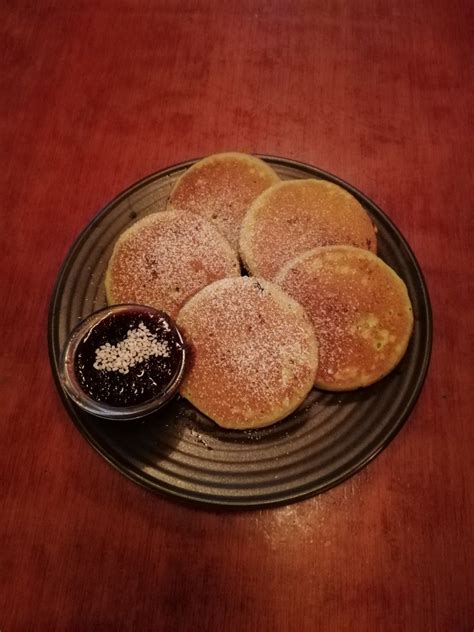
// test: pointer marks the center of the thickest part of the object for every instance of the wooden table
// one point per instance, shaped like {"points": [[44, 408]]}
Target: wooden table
{"points": [[95, 95]]}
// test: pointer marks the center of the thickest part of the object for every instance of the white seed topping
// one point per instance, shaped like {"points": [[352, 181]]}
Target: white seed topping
{"points": [[139, 345]]}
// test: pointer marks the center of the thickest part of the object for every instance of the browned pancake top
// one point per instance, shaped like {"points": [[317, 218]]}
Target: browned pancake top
{"points": [[221, 188], [165, 258], [360, 310], [298, 215], [253, 352]]}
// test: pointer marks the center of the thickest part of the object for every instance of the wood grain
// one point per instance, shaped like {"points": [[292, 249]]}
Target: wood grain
{"points": [[97, 95]]}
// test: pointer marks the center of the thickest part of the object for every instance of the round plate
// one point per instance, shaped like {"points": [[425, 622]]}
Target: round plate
{"points": [[180, 451]]}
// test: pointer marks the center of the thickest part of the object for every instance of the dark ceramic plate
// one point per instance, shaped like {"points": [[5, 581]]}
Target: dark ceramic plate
{"points": [[181, 452]]}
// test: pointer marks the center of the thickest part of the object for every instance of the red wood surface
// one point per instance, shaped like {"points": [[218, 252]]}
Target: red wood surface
{"points": [[95, 95]]}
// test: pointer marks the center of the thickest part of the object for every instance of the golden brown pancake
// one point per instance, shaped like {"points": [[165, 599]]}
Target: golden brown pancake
{"points": [[165, 258], [253, 352], [298, 215], [221, 188], [360, 309]]}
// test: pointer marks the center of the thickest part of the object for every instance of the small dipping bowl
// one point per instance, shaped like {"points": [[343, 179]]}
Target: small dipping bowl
{"points": [[123, 362]]}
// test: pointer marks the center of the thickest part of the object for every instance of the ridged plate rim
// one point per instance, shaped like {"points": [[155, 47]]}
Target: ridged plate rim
{"points": [[236, 501]]}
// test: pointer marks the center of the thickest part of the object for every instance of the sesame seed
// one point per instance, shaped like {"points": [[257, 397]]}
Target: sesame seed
{"points": [[139, 345]]}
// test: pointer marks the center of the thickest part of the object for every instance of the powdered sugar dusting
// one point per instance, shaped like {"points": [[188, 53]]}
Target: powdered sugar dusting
{"points": [[297, 215], [254, 354], [360, 310], [165, 259], [221, 189]]}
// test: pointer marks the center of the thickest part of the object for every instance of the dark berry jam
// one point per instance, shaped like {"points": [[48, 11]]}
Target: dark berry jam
{"points": [[128, 357]]}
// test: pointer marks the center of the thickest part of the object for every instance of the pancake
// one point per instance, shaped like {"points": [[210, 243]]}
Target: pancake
{"points": [[165, 258], [360, 309], [253, 352], [221, 188], [298, 215]]}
